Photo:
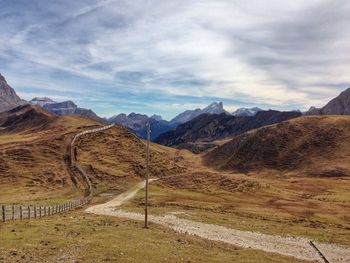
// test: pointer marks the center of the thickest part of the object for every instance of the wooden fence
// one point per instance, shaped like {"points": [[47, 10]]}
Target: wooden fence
{"points": [[21, 212]]}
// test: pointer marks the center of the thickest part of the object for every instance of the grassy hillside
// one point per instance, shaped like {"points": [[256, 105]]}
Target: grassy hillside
{"points": [[318, 146]]}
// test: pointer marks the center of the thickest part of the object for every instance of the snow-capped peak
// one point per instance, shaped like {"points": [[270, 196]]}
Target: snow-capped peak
{"points": [[246, 111], [41, 101]]}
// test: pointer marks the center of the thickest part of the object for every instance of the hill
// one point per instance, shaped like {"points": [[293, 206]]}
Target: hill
{"points": [[34, 155], [8, 97], [26, 118], [208, 128], [307, 145]]}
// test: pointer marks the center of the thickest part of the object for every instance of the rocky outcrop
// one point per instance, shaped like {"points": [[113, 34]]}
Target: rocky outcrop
{"points": [[69, 107], [8, 97], [337, 106]]}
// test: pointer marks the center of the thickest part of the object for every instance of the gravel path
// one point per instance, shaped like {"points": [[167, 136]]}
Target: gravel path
{"points": [[290, 246]]}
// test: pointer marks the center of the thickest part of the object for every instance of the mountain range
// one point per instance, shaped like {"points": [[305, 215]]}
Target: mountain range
{"points": [[213, 108], [137, 122], [200, 133], [190, 128]]}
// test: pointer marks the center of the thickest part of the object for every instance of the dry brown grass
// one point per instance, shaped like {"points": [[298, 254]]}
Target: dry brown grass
{"points": [[314, 145], [33, 169], [33, 161]]}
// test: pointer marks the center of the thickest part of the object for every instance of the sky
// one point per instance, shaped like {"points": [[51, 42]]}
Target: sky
{"points": [[164, 57]]}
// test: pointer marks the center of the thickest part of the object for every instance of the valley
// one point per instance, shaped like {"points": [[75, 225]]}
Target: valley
{"points": [[286, 202], [255, 186]]}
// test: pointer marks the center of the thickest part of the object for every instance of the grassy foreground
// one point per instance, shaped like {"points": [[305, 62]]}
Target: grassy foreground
{"points": [[244, 211], [80, 237]]}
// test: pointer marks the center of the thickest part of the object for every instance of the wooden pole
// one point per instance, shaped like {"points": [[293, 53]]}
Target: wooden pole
{"points": [[28, 212], [35, 211], [147, 173], [20, 212], [3, 213], [13, 212]]}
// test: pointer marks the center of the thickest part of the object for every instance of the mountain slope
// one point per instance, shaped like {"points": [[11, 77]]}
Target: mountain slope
{"points": [[311, 145], [208, 128], [26, 118], [34, 148], [337, 106], [8, 97]]}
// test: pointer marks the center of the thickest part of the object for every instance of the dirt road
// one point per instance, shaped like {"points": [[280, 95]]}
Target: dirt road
{"points": [[289, 246]]}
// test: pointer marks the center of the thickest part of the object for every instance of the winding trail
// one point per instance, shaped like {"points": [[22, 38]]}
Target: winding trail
{"points": [[297, 247]]}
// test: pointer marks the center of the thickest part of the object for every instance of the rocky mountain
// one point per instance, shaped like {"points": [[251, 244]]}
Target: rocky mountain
{"points": [[41, 101], [246, 111], [69, 107], [199, 133], [315, 145], [214, 108], [8, 97], [138, 124], [156, 117], [337, 106]]}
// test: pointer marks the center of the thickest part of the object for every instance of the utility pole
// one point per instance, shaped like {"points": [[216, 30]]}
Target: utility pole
{"points": [[147, 172]]}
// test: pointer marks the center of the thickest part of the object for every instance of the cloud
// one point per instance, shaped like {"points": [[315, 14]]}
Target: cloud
{"points": [[117, 55]]}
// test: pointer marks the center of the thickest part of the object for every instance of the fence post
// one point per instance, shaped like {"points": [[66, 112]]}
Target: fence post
{"points": [[44, 210], [35, 211], [13, 212], [49, 211], [3, 213], [28, 212], [39, 211], [20, 212]]}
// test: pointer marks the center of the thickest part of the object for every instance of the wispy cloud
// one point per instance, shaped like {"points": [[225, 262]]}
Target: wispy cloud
{"points": [[146, 56]]}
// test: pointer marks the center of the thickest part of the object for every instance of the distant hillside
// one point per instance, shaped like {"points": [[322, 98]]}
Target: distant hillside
{"points": [[26, 117], [8, 97], [311, 145], [337, 106], [208, 128]]}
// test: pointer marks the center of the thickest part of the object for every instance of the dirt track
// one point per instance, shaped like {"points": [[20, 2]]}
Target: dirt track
{"points": [[289, 246]]}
